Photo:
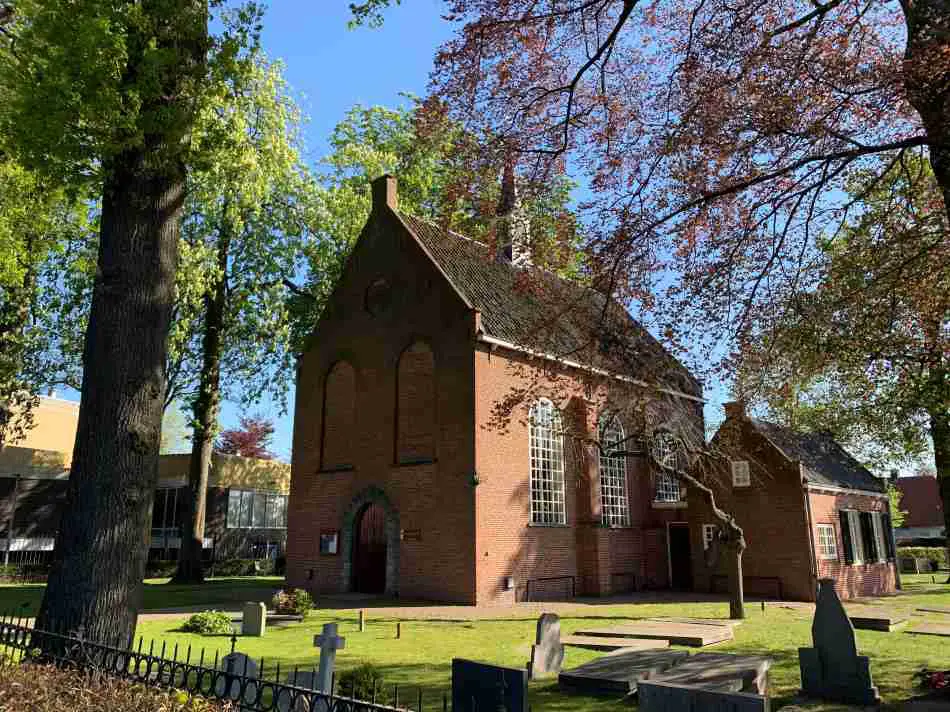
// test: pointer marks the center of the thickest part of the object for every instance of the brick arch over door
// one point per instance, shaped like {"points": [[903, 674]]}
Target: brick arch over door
{"points": [[371, 495], [339, 416], [415, 404]]}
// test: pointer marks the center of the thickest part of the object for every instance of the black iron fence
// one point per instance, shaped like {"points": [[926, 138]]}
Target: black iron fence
{"points": [[240, 680]]}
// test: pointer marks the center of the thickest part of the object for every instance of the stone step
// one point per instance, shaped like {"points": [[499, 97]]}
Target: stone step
{"points": [[608, 644]]}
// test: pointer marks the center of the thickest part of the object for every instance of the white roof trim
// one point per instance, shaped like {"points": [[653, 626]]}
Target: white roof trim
{"points": [[591, 369], [812, 486]]}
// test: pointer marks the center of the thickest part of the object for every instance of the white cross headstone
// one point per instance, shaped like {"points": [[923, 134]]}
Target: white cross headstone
{"points": [[329, 642]]}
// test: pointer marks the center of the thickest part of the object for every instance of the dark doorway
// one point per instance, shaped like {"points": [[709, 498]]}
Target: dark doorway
{"points": [[681, 565], [369, 550]]}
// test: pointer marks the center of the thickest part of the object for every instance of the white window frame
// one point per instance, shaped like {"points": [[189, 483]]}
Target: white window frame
{"points": [[246, 501], [741, 476], [877, 526], [709, 534], [546, 455], [828, 545], [668, 490], [857, 537], [614, 501]]}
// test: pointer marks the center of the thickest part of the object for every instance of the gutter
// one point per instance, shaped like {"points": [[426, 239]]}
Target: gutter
{"points": [[843, 490], [485, 338]]}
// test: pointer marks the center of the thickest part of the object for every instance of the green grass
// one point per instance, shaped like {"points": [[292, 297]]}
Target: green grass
{"points": [[422, 657], [158, 594]]}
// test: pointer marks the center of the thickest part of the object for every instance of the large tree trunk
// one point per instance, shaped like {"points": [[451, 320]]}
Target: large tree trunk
{"points": [[96, 577], [206, 408], [940, 434], [927, 79], [734, 578]]}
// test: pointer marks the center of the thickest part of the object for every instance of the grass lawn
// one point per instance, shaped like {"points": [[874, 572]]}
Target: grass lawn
{"points": [[157, 594], [422, 657]]}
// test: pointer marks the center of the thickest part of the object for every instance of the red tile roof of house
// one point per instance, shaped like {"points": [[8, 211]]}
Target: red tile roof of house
{"points": [[921, 501]]}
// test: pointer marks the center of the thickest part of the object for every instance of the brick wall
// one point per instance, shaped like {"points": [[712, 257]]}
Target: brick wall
{"points": [[851, 580], [390, 297]]}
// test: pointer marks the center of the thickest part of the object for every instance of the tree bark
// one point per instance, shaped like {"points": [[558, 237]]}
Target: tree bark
{"points": [[96, 576], [927, 79], [206, 409], [940, 434]]}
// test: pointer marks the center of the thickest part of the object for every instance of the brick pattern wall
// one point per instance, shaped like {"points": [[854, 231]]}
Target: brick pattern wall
{"points": [[416, 414], [339, 417], [434, 502], [851, 580]]}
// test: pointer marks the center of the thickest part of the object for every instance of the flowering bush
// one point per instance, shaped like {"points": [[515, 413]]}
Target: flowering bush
{"points": [[934, 679], [292, 602], [35, 688]]}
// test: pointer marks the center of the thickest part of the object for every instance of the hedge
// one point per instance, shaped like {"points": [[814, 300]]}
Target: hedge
{"points": [[29, 688], [930, 553]]}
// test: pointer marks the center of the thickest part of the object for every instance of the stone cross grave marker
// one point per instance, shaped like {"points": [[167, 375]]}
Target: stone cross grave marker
{"points": [[547, 653], [832, 670], [329, 642], [237, 666], [254, 619]]}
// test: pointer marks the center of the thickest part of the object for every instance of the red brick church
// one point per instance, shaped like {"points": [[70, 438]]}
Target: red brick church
{"points": [[458, 421]]}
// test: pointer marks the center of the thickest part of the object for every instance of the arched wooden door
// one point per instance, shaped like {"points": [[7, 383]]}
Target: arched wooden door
{"points": [[369, 550]]}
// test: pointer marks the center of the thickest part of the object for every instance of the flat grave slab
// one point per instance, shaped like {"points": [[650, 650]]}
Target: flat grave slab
{"points": [[697, 621], [617, 674], [724, 672], [690, 634], [934, 609], [925, 628], [610, 644], [873, 618]]}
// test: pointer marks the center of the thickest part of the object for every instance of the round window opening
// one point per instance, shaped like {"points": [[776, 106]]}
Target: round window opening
{"points": [[379, 297]]}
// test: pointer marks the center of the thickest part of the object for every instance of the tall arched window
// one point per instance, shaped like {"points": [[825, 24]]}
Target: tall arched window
{"points": [[547, 464], [615, 511], [339, 416], [415, 405]]}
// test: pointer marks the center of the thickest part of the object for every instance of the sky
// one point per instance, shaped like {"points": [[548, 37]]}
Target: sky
{"points": [[332, 68]]}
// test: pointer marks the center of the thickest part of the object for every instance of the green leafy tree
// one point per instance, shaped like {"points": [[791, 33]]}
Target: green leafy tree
{"points": [[105, 93], [865, 351], [248, 210], [894, 497]]}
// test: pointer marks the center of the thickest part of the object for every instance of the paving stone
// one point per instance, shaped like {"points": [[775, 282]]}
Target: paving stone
{"points": [[690, 634], [617, 674], [725, 672], [612, 644], [926, 628]]}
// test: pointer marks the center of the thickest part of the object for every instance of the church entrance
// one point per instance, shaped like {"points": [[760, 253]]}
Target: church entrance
{"points": [[681, 562], [369, 550]]}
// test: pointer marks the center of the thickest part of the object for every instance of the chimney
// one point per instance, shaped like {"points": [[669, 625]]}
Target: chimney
{"points": [[511, 224], [385, 194], [735, 409]]}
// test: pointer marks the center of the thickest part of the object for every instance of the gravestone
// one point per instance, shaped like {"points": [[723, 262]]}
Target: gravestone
{"points": [[658, 696], [547, 653], [479, 687], [238, 670], [329, 642], [288, 701], [832, 670], [253, 619]]}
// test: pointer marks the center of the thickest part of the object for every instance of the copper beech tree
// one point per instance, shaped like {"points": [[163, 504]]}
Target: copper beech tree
{"points": [[723, 145]]}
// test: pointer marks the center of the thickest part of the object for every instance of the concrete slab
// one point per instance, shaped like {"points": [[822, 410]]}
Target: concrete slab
{"points": [[724, 672], [697, 621], [617, 674], [873, 618], [934, 609], [610, 644], [925, 628], [690, 634]]}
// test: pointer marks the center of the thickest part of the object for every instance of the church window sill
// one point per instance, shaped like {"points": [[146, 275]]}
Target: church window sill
{"points": [[336, 468], [542, 525], [417, 461], [669, 505]]}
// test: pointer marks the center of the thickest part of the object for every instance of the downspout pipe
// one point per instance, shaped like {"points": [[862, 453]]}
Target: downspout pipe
{"points": [[812, 556]]}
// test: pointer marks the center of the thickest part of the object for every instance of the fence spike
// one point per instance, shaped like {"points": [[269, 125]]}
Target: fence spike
{"points": [[332, 682], [396, 696], [262, 666], [175, 653], [234, 641], [162, 654], [420, 700], [151, 647], [277, 674], [374, 690], [140, 645], [201, 661], [215, 658], [188, 655], [445, 703]]}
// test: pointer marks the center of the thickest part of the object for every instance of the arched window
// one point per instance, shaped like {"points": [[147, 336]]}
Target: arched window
{"points": [[615, 511], [339, 416], [547, 464], [415, 405]]}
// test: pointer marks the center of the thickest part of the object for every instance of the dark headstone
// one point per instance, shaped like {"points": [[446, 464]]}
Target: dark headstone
{"points": [[657, 696], [547, 653], [479, 687], [832, 670]]}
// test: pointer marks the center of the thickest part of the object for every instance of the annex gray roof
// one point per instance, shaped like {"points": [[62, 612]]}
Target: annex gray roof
{"points": [[826, 462], [538, 311]]}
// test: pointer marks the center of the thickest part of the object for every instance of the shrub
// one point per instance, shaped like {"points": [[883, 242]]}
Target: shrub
{"points": [[160, 569], [292, 602], [930, 553], [28, 688], [208, 623], [361, 682]]}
